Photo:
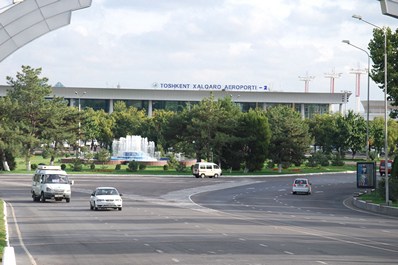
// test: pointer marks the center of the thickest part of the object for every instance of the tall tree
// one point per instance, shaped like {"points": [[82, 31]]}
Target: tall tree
{"points": [[9, 134], [255, 135], [61, 126], [324, 130], [376, 48], [290, 135], [353, 130], [126, 120], [206, 127], [377, 134], [31, 109]]}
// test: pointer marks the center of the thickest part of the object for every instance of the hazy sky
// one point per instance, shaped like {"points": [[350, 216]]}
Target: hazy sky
{"points": [[135, 43]]}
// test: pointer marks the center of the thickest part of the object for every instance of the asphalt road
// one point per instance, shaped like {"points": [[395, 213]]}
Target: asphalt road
{"points": [[184, 220]]}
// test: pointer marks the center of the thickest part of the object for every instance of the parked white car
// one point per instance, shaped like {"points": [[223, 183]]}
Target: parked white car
{"points": [[301, 185], [106, 198]]}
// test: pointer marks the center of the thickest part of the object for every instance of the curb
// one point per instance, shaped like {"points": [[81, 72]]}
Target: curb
{"points": [[8, 252], [375, 208]]}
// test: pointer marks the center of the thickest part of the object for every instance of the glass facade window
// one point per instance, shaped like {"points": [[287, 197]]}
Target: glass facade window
{"points": [[138, 104], [176, 106], [246, 106], [310, 110], [96, 104]]}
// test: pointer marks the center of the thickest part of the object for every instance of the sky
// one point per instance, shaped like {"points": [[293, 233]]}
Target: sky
{"points": [[137, 43]]}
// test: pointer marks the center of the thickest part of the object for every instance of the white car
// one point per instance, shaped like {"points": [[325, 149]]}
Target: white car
{"points": [[301, 185], [106, 198]]}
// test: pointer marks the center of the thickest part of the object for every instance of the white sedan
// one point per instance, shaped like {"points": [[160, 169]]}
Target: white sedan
{"points": [[106, 198]]}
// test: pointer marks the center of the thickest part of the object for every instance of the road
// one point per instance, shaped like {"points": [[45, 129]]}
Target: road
{"points": [[184, 220]]}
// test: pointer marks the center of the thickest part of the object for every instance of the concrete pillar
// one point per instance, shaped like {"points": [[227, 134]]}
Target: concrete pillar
{"points": [[110, 106], [149, 108]]}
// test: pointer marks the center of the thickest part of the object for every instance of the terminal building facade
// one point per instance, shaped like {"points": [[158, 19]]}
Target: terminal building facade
{"points": [[175, 99]]}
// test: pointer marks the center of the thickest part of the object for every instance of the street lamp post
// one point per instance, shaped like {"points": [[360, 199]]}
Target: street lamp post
{"points": [[367, 110], [79, 108], [385, 106]]}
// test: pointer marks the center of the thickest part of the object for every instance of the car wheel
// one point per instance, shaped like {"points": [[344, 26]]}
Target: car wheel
{"points": [[120, 208], [215, 175], [35, 198], [294, 193], [91, 207], [202, 176], [42, 198], [95, 207], [67, 199]]}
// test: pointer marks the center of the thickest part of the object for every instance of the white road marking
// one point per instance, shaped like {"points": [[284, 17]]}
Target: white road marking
{"points": [[32, 260]]}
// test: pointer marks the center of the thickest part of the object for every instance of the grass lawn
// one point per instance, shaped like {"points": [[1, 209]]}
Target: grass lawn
{"points": [[375, 197], [2, 230], [158, 170]]}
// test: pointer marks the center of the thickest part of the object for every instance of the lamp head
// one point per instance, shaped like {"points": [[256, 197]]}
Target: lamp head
{"points": [[346, 41], [357, 17]]}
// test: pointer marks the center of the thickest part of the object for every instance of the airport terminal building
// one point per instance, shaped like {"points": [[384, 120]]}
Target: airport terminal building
{"points": [[176, 96]]}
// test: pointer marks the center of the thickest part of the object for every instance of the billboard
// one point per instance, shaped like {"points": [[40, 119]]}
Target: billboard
{"points": [[366, 175]]}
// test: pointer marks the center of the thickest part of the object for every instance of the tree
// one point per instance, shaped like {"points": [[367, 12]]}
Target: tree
{"points": [[126, 121], [376, 48], [36, 119], [353, 132], [207, 128], [9, 135], [377, 134], [154, 127], [290, 136], [255, 135], [324, 130], [104, 122]]}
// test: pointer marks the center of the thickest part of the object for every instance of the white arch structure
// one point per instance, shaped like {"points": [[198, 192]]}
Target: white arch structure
{"points": [[29, 19]]}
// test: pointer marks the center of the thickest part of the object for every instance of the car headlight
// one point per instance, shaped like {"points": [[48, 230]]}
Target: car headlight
{"points": [[100, 200], [48, 189]]}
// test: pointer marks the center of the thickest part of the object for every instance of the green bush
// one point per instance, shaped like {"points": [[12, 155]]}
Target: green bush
{"points": [[181, 167], [33, 166], [337, 160], [92, 166], [165, 167], [118, 167], [270, 164], [285, 165], [141, 166], [103, 155], [392, 191], [132, 166], [317, 159], [63, 166], [76, 165]]}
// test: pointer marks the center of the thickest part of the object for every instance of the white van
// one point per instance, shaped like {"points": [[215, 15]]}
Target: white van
{"points": [[206, 169], [50, 182]]}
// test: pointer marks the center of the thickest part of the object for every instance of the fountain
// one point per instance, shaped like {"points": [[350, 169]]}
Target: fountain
{"points": [[133, 147]]}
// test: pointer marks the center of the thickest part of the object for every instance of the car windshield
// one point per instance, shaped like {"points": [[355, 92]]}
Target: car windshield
{"points": [[107, 192], [55, 178]]}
